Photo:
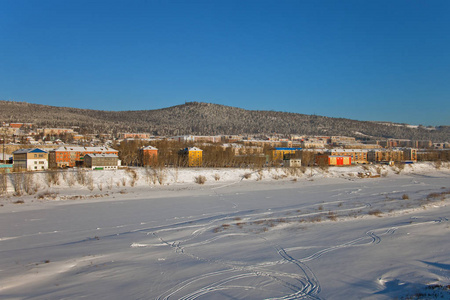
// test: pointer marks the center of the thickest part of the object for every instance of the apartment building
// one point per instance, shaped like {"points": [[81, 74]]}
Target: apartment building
{"points": [[279, 153], [148, 156], [30, 159], [394, 154], [102, 161], [56, 131], [358, 156], [68, 156], [129, 135], [333, 160], [198, 138], [192, 156]]}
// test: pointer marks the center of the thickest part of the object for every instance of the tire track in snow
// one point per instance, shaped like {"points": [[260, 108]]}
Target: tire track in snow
{"points": [[218, 285], [311, 285], [306, 286], [182, 285], [303, 284]]}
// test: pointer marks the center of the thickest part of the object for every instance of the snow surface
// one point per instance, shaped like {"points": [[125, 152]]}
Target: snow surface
{"points": [[243, 234]]}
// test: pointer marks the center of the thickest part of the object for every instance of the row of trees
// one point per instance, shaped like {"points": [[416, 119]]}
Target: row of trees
{"points": [[215, 155], [434, 155]]}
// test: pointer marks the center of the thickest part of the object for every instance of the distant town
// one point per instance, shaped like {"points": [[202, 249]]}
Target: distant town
{"points": [[26, 147]]}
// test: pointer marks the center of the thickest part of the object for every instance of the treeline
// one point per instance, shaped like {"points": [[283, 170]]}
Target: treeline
{"points": [[434, 155], [217, 156], [214, 155], [196, 118]]}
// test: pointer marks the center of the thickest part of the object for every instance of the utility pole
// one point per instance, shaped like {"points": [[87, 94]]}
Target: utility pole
{"points": [[4, 137]]}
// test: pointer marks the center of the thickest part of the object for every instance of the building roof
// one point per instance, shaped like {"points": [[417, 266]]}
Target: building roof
{"points": [[101, 155], [84, 149], [29, 150], [347, 150], [287, 149], [193, 149], [149, 148]]}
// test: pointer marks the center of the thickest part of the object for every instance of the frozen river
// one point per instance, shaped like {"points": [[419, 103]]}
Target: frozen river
{"points": [[331, 238]]}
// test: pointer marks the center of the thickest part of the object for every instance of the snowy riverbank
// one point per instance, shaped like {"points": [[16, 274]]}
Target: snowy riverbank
{"points": [[85, 184]]}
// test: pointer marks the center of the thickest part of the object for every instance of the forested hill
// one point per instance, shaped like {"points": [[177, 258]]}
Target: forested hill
{"points": [[210, 119]]}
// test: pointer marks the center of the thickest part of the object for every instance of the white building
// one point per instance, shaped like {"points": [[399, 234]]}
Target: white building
{"points": [[30, 159]]}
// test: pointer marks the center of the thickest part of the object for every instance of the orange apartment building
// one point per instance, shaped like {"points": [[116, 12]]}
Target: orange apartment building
{"points": [[69, 157], [20, 125], [148, 156], [130, 135], [333, 160], [358, 156]]}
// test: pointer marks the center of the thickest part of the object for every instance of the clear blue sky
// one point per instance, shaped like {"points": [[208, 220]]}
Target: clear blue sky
{"points": [[364, 60]]}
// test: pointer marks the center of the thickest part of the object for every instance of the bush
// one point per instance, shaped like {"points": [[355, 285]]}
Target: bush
{"points": [[438, 164], [47, 195], [398, 168], [405, 197], [332, 216], [28, 184], [90, 182], [17, 182], [247, 175], [216, 177], [259, 175], [150, 175], [133, 175], [69, 178], [375, 212], [110, 183], [161, 176], [3, 183], [81, 176], [316, 219], [200, 179], [378, 170], [52, 178]]}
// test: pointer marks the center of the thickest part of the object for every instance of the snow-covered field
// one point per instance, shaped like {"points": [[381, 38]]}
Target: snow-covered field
{"points": [[243, 234]]}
